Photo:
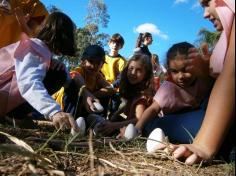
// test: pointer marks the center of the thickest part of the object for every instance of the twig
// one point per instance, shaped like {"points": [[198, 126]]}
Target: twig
{"points": [[91, 153]]}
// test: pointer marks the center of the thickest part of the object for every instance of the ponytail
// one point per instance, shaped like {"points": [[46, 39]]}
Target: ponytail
{"points": [[139, 40]]}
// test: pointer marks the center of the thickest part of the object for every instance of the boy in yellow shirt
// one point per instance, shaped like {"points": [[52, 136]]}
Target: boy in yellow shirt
{"points": [[111, 69]]}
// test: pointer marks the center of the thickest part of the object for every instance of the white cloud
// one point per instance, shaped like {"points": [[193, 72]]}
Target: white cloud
{"points": [[196, 5], [152, 28], [180, 1]]}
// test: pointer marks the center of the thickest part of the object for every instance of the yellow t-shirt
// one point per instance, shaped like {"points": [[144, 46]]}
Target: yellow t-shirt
{"points": [[92, 81], [10, 29], [112, 67]]}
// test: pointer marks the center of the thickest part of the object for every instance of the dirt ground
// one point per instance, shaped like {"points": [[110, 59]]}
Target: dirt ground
{"points": [[56, 153]]}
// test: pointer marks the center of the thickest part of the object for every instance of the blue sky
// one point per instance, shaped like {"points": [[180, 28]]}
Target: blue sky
{"points": [[170, 21]]}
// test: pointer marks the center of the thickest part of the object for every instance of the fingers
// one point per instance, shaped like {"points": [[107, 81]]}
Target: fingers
{"points": [[204, 48], [63, 121], [192, 159], [181, 151], [72, 123], [191, 154]]}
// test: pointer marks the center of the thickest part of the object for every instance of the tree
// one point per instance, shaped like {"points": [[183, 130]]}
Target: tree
{"points": [[97, 13], [97, 16], [53, 8], [209, 37]]}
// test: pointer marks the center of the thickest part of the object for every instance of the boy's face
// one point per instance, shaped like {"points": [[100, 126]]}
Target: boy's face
{"points": [[92, 65], [114, 46]]}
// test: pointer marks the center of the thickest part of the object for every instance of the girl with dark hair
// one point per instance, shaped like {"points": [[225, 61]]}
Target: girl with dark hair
{"points": [[184, 91], [137, 89], [143, 40], [29, 75]]}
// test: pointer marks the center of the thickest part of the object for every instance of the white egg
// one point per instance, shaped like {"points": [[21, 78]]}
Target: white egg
{"points": [[130, 132], [80, 122], [98, 107], [156, 140]]}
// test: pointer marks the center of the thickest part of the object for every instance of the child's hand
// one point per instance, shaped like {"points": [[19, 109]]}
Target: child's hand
{"points": [[122, 133], [192, 153], [198, 61], [64, 121]]}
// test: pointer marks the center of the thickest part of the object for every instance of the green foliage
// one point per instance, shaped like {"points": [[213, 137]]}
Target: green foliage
{"points": [[89, 34], [96, 17], [97, 13], [209, 37], [53, 8]]}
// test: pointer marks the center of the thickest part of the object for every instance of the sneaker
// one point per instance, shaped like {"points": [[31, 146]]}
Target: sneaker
{"points": [[156, 140], [131, 132], [80, 122]]}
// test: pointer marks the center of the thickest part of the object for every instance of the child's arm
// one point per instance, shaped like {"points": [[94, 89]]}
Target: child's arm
{"points": [[148, 114], [105, 91], [116, 115]]}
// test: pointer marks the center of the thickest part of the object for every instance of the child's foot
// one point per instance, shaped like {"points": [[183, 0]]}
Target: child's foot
{"points": [[131, 132], [156, 140], [80, 122]]}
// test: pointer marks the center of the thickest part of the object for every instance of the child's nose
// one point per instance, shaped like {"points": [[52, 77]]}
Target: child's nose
{"points": [[181, 75]]}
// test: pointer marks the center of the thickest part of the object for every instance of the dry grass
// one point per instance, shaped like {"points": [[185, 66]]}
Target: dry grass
{"points": [[51, 152]]}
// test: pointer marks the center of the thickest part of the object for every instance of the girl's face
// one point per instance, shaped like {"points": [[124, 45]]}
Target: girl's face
{"points": [[148, 40], [211, 14], [91, 65], [136, 72], [177, 71]]}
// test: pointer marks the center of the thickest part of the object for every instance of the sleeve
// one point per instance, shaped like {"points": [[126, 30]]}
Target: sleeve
{"points": [[172, 98], [30, 73], [121, 64]]}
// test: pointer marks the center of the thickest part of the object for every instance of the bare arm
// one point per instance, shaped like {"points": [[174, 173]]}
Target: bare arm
{"points": [[106, 91], [148, 114], [219, 115]]}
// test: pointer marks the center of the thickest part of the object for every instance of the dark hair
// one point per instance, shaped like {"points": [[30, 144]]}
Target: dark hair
{"points": [[94, 52], [178, 48], [155, 57], [128, 90], [118, 39], [58, 34], [141, 38]]}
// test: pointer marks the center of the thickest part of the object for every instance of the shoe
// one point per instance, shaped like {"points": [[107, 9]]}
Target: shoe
{"points": [[80, 122], [156, 140], [131, 132]]}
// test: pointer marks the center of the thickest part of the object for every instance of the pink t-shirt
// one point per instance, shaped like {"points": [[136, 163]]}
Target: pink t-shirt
{"points": [[9, 86], [226, 12], [172, 98]]}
